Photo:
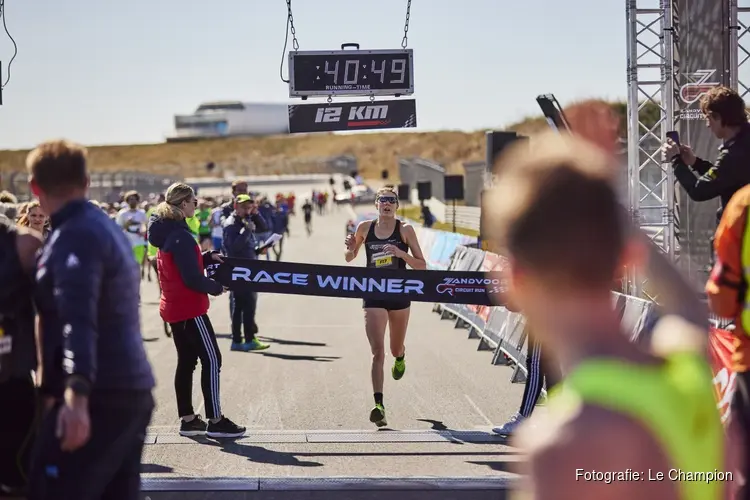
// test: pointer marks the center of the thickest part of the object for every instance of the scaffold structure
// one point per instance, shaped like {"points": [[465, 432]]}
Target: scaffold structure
{"points": [[650, 73]]}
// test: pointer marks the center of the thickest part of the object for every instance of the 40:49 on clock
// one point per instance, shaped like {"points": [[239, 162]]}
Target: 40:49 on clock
{"points": [[351, 72]]}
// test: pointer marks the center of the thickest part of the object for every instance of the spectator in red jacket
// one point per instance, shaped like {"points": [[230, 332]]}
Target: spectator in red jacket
{"points": [[184, 305]]}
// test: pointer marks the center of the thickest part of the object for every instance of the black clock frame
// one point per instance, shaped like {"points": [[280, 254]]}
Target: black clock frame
{"points": [[343, 55]]}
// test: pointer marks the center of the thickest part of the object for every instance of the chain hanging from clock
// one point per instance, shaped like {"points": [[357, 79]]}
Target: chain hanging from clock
{"points": [[348, 72]]}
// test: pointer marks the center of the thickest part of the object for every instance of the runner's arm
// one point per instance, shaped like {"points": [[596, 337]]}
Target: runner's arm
{"points": [[359, 238], [143, 226], [416, 260], [121, 220], [28, 242]]}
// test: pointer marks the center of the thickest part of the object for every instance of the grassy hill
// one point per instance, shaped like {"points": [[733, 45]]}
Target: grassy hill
{"points": [[288, 154]]}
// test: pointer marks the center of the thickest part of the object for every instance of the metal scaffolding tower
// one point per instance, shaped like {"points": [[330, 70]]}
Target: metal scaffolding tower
{"points": [[651, 79], [739, 53]]}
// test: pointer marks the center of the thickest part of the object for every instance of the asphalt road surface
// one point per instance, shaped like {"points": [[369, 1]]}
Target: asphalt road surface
{"points": [[307, 399]]}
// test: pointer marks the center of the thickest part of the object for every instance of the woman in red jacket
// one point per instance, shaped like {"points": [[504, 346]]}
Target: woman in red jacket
{"points": [[184, 305]]}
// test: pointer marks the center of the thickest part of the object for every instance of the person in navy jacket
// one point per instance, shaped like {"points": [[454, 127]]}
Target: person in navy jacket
{"points": [[96, 380], [241, 241], [184, 305]]}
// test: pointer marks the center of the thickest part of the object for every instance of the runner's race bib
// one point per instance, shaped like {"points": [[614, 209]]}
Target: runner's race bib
{"points": [[382, 259], [134, 227]]}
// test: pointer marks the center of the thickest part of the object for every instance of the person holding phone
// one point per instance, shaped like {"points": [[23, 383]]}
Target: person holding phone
{"points": [[240, 241], [725, 115]]}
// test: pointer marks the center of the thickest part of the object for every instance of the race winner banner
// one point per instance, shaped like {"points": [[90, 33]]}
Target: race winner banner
{"points": [[451, 287]]}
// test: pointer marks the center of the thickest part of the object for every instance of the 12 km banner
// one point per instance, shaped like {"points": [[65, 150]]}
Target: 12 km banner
{"points": [[362, 115], [452, 287]]}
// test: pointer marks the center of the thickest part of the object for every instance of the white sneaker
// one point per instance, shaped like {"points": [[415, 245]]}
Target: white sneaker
{"points": [[510, 426]]}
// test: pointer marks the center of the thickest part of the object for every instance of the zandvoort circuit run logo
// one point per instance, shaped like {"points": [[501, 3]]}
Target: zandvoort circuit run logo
{"points": [[699, 84], [454, 286]]}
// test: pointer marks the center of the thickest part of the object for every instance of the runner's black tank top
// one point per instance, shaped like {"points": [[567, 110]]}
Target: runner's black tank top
{"points": [[374, 248]]}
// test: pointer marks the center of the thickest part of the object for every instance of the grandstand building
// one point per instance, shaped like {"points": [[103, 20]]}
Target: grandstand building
{"points": [[231, 119]]}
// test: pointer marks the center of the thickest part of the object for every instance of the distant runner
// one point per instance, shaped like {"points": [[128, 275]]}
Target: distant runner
{"points": [[307, 209], [133, 221]]}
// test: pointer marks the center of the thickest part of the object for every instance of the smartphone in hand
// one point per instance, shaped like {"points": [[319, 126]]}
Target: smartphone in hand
{"points": [[675, 136]]}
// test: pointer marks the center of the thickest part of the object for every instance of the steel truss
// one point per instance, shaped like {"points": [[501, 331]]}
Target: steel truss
{"points": [[652, 69], [650, 72], [739, 21]]}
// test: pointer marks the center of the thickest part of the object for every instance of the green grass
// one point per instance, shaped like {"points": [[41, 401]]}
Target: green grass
{"points": [[414, 212]]}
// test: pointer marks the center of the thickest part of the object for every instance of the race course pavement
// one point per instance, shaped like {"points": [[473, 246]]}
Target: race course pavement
{"points": [[307, 399]]}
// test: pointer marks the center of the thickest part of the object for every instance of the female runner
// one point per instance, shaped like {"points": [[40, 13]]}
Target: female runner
{"points": [[387, 243]]}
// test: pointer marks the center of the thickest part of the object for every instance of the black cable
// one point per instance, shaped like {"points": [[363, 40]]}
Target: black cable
{"points": [[283, 52], [15, 45]]}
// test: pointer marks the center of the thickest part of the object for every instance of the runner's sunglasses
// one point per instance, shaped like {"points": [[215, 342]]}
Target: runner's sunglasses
{"points": [[388, 199]]}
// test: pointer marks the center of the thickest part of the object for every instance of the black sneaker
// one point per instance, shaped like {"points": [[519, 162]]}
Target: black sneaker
{"points": [[196, 427], [225, 428]]}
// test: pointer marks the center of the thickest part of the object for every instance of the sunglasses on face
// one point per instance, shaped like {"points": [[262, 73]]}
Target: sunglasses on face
{"points": [[388, 199]]}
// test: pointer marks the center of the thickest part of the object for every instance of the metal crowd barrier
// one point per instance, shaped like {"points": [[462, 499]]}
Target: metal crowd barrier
{"points": [[104, 186], [501, 331]]}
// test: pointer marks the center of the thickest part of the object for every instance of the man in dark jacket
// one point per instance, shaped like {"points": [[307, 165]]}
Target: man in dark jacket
{"points": [[725, 116], [239, 187], [96, 377], [18, 246], [240, 241]]}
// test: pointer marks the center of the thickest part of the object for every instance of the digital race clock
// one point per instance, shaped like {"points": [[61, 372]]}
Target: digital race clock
{"points": [[351, 72]]}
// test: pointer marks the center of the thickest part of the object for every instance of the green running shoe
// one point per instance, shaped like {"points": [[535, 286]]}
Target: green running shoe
{"points": [[377, 416], [399, 368], [256, 345]]}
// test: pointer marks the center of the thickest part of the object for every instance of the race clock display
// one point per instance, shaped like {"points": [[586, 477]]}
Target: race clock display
{"points": [[351, 72]]}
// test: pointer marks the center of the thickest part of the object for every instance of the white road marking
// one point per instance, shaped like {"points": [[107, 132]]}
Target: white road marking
{"points": [[476, 408]]}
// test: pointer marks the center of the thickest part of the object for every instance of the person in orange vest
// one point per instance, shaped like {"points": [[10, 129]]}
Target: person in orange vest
{"points": [[728, 297]]}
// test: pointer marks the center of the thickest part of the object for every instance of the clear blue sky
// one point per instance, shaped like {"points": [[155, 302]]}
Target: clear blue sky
{"points": [[115, 72]]}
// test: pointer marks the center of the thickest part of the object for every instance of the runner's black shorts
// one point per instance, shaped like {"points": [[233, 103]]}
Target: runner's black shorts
{"points": [[388, 305]]}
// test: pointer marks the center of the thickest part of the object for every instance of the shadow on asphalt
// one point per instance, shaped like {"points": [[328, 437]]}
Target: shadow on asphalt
{"points": [[273, 340], [291, 342], [499, 466], [491, 437], [298, 357], [155, 469], [410, 454], [257, 454]]}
